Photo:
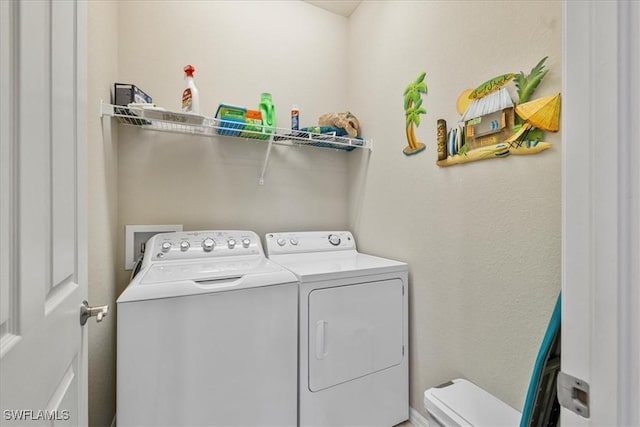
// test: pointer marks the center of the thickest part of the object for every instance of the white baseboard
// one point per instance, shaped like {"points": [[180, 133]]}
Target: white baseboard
{"points": [[416, 418]]}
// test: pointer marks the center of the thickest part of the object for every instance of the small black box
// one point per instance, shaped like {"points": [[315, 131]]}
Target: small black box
{"points": [[125, 93]]}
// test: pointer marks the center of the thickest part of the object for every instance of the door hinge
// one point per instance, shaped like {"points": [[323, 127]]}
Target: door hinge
{"points": [[573, 394]]}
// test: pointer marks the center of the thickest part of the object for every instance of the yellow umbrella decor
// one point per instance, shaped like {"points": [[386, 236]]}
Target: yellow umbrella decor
{"points": [[542, 113]]}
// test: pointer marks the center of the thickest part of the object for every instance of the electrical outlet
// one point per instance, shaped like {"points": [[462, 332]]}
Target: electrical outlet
{"points": [[137, 235]]}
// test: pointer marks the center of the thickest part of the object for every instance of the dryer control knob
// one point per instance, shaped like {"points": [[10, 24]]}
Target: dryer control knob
{"points": [[208, 244], [293, 241], [166, 246], [246, 243], [231, 243], [281, 242], [184, 245], [334, 240]]}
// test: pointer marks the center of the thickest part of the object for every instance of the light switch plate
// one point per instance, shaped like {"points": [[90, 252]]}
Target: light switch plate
{"points": [[137, 235]]}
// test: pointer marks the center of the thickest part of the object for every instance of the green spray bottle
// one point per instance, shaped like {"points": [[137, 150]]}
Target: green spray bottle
{"points": [[267, 110]]}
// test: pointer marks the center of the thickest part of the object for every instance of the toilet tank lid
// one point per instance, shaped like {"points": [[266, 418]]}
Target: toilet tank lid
{"points": [[462, 403]]}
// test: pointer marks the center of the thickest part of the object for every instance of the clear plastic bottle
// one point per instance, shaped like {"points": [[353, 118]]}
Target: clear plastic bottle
{"points": [[190, 97]]}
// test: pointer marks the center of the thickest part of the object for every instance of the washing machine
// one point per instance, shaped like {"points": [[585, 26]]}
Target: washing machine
{"points": [[353, 344], [207, 335]]}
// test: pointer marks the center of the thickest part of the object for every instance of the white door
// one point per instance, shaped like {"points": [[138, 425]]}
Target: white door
{"points": [[43, 355], [601, 218]]}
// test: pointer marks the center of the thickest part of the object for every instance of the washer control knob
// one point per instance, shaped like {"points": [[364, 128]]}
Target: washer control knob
{"points": [[231, 243], [334, 239], [184, 245], [208, 244], [281, 242], [246, 243], [293, 241], [166, 246]]}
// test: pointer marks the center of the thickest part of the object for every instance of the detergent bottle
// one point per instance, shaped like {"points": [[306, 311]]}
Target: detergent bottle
{"points": [[267, 110], [190, 97]]}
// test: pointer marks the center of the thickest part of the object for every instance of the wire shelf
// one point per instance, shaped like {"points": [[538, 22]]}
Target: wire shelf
{"points": [[158, 119], [161, 120]]}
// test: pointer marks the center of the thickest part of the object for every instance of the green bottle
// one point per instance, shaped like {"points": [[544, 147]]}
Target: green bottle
{"points": [[268, 113]]}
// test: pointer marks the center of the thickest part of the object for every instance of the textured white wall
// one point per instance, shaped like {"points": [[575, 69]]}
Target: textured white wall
{"points": [[482, 239], [102, 209]]}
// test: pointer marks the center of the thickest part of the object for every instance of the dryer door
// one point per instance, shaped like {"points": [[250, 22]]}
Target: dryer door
{"points": [[354, 330]]}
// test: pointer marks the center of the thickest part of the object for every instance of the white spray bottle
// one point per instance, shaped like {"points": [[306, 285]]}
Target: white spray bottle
{"points": [[190, 97]]}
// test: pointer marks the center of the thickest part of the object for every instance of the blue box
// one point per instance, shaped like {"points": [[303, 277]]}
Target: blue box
{"points": [[230, 119]]}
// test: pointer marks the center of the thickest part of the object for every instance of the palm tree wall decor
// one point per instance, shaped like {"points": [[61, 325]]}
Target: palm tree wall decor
{"points": [[412, 111]]}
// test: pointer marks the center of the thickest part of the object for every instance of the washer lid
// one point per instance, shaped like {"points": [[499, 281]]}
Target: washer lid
{"points": [[172, 279], [462, 403], [311, 267], [206, 269]]}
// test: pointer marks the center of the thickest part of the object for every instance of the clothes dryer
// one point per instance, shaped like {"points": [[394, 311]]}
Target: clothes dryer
{"points": [[207, 335], [353, 344]]}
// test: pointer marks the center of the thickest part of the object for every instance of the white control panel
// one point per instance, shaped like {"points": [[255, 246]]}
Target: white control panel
{"points": [[309, 241], [202, 244]]}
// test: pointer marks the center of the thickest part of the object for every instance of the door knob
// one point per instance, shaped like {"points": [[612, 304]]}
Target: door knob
{"points": [[86, 312]]}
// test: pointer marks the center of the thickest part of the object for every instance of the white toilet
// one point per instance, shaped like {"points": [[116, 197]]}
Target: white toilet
{"points": [[462, 403]]}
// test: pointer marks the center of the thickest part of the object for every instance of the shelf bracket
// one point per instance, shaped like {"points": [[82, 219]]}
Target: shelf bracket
{"points": [[266, 159], [106, 109]]}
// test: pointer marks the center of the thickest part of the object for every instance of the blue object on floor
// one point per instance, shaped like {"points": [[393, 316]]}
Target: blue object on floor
{"points": [[541, 407]]}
